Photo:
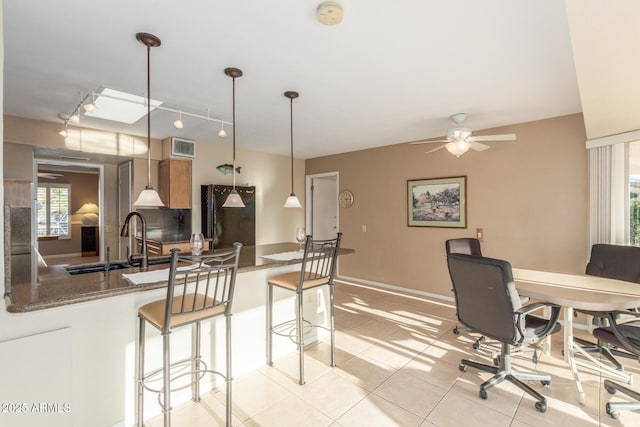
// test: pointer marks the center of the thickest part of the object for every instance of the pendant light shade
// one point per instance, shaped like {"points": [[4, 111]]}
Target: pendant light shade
{"points": [[292, 200], [233, 199], [148, 197]]}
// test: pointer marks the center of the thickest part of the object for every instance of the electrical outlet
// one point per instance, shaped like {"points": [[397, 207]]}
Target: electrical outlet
{"points": [[480, 234], [364, 228], [107, 228]]}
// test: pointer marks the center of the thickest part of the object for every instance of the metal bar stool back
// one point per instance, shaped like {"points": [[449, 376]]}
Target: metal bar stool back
{"points": [[318, 269], [200, 287]]}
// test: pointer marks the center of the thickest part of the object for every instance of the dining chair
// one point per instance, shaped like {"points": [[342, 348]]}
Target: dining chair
{"points": [[199, 288], [626, 336], [487, 301], [318, 269], [618, 262]]}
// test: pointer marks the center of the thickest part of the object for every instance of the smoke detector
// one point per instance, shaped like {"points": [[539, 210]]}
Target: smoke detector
{"points": [[329, 13]]}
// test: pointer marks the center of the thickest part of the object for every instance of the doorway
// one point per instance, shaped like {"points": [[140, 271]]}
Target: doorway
{"points": [[53, 230], [322, 205]]}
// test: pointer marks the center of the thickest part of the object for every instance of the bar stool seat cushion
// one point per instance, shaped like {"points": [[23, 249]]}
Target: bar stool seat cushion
{"points": [[153, 312], [290, 281]]}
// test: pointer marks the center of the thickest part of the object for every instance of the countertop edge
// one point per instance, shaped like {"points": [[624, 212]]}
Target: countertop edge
{"points": [[124, 289]]}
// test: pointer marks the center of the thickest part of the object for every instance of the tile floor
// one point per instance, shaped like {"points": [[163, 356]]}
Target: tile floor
{"points": [[397, 365]]}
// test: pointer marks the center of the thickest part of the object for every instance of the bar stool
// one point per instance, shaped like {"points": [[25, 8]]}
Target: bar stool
{"points": [[207, 284], [318, 269]]}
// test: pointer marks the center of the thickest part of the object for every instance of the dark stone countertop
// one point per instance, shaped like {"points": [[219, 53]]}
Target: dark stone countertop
{"points": [[56, 287]]}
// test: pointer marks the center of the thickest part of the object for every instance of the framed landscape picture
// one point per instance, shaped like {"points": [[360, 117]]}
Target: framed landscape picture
{"points": [[437, 202]]}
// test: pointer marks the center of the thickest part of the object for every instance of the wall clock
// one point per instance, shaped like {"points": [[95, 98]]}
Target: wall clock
{"points": [[345, 198]]}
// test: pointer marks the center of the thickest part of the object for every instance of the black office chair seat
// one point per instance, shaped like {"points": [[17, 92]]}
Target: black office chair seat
{"points": [[625, 336], [631, 330], [535, 326]]}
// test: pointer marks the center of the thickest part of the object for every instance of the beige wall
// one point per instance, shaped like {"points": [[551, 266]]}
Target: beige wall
{"points": [[529, 196], [269, 173]]}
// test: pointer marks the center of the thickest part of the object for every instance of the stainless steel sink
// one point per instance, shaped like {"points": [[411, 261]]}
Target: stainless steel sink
{"points": [[96, 268], [117, 265]]}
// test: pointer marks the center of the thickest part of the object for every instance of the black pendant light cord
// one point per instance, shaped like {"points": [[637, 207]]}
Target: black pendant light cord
{"points": [[149, 115], [292, 146], [233, 115]]}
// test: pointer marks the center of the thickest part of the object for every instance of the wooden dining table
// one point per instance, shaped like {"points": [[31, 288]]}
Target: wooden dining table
{"points": [[581, 292]]}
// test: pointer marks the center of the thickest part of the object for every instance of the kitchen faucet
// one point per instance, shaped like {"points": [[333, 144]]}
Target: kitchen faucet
{"points": [[142, 256]]}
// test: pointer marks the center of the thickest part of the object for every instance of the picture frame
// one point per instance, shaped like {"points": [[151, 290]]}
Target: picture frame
{"points": [[437, 202]]}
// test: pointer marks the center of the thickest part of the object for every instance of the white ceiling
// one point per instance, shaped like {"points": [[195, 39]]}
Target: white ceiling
{"points": [[391, 72]]}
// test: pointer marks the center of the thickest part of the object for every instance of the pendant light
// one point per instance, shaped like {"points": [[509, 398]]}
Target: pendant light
{"points": [[148, 197], [233, 199], [292, 200]]}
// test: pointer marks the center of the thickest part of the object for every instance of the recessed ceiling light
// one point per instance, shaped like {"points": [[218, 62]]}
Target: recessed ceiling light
{"points": [[120, 106]]}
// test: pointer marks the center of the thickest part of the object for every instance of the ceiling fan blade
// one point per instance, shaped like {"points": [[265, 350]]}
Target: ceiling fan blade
{"points": [[436, 149], [505, 137], [424, 141], [478, 146]]}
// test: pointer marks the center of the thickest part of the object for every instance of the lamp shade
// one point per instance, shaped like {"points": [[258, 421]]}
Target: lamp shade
{"points": [[292, 202], [88, 208], [149, 198], [89, 212], [233, 200]]}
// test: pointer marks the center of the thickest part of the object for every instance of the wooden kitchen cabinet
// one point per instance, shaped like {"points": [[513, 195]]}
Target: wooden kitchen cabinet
{"points": [[174, 183], [157, 248]]}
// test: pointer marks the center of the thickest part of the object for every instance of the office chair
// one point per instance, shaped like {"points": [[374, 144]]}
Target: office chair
{"points": [[614, 262], [469, 246], [627, 336], [200, 289], [318, 269], [481, 283]]}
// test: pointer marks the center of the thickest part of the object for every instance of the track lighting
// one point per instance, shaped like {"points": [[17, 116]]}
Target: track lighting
{"points": [[90, 107], [178, 123]]}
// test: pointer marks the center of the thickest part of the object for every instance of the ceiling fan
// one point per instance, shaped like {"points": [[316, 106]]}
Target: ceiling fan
{"points": [[459, 139]]}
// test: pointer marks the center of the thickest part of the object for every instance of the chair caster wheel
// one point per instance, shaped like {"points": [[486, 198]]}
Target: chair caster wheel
{"points": [[483, 394], [541, 406], [462, 367], [476, 345], [496, 360], [614, 414], [545, 382], [611, 390], [534, 358], [456, 330]]}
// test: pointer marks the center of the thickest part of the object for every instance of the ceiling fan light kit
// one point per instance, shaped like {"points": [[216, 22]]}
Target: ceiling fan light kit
{"points": [[459, 139]]}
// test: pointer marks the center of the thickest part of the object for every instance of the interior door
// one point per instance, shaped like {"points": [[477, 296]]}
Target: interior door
{"points": [[324, 206], [124, 205]]}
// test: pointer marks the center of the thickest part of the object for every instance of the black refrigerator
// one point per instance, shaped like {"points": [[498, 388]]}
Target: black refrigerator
{"points": [[228, 225]]}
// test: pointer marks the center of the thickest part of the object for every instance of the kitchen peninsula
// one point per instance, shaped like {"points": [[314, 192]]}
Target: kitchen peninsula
{"points": [[75, 335], [54, 286]]}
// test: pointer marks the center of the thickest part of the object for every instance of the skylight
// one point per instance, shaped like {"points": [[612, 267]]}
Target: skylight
{"points": [[120, 106]]}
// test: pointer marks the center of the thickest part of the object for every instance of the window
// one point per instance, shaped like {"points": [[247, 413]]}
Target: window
{"points": [[53, 210], [634, 193]]}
